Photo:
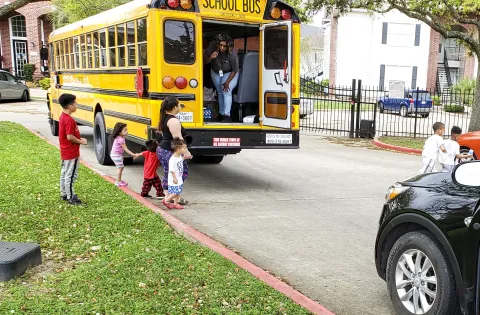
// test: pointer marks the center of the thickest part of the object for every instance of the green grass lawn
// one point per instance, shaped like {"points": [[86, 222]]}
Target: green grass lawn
{"points": [[404, 142], [114, 256]]}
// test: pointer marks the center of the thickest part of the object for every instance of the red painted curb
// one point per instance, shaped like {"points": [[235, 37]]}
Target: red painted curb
{"points": [[190, 232], [396, 148]]}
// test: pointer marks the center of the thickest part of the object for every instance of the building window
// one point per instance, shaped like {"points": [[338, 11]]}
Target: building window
{"points": [[401, 34], [19, 28]]}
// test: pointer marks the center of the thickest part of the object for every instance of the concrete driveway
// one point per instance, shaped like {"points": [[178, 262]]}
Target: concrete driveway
{"points": [[309, 216]]}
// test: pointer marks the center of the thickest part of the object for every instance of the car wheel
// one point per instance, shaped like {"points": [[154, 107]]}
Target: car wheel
{"points": [[464, 151], [425, 115], [303, 116], [101, 141], [25, 96], [403, 111], [419, 278], [53, 125], [381, 107]]}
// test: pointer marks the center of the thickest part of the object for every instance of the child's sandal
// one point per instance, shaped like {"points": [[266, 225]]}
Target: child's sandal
{"points": [[178, 207], [169, 206]]}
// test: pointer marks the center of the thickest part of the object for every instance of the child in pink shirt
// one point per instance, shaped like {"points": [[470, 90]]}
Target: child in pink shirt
{"points": [[119, 133]]}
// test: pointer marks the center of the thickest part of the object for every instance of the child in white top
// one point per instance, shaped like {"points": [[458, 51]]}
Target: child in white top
{"points": [[447, 160], [175, 181], [433, 146]]}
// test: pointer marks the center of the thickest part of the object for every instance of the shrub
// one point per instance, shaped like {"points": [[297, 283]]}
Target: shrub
{"points": [[44, 83], [465, 90], [437, 100], [452, 108], [29, 70], [325, 83]]}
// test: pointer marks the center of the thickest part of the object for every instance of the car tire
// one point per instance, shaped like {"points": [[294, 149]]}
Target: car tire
{"points": [[413, 245], [403, 111], [465, 150], [381, 107], [425, 115], [303, 116], [101, 140], [128, 160], [25, 96]]}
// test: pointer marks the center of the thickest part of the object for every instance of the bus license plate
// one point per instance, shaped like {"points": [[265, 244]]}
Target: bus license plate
{"points": [[275, 138]]}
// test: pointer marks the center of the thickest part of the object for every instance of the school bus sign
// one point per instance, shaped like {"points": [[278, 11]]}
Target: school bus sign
{"points": [[247, 7]]}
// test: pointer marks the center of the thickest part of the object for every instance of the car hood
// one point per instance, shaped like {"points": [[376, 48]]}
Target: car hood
{"points": [[427, 180]]}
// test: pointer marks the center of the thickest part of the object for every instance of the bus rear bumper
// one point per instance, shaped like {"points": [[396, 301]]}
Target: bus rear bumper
{"points": [[231, 141]]}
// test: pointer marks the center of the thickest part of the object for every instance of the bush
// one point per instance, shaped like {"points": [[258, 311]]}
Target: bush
{"points": [[325, 83], [44, 83], [465, 90], [437, 101], [452, 108], [29, 70]]}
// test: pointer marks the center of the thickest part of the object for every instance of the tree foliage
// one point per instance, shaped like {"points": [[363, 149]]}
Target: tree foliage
{"points": [[69, 11], [459, 19]]}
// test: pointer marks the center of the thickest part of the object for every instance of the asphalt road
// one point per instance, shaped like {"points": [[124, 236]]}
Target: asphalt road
{"points": [[308, 216]]}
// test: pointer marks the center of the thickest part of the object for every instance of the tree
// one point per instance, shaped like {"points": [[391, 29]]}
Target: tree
{"points": [[459, 19], [8, 8], [69, 11]]}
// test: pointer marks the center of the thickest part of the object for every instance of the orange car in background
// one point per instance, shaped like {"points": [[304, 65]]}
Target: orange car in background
{"points": [[470, 141]]}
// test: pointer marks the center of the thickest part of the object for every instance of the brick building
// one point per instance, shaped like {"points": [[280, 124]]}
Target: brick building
{"points": [[22, 34]]}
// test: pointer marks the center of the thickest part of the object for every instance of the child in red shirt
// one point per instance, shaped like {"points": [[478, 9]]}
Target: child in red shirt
{"points": [[150, 171], [70, 141]]}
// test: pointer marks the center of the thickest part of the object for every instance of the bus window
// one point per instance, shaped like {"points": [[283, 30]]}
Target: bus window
{"points": [[83, 51], [142, 41], [276, 48], [71, 55], [77, 52], [121, 44], [96, 50], [179, 42], [111, 46], [89, 50], [131, 44], [103, 48]]}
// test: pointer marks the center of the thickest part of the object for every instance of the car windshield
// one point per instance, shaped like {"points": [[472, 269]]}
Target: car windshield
{"points": [[422, 96]]}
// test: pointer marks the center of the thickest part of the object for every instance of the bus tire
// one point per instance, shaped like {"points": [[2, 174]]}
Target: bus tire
{"points": [[53, 125], [101, 141]]}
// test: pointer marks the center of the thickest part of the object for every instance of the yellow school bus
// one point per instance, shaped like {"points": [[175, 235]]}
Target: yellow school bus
{"points": [[123, 62]]}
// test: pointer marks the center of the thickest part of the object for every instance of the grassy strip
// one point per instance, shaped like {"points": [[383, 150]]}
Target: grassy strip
{"points": [[113, 256], [412, 143]]}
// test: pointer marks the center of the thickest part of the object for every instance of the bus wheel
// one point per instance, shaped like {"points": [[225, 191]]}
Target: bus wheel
{"points": [[53, 125], [208, 159], [101, 141]]}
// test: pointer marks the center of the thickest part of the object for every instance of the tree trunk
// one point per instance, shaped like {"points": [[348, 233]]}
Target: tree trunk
{"points": [[475, 118], [17, 4]]}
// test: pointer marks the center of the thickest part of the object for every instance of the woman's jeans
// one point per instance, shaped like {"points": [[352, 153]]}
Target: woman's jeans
{"points": [[224, 98]]}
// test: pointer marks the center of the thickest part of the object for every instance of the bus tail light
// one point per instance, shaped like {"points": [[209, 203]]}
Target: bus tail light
{"points": [[186, 4], [275, 13], [294, 88], [286, 14], [293, 124], [293, 109], [173, 3], [168, 82], [181, 82]]}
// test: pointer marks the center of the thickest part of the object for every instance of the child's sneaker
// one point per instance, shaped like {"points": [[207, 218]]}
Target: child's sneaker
{"points": [[121, 184], [160, 197], [146, 196]]}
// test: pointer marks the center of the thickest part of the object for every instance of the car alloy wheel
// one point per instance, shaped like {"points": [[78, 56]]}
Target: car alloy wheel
{"points": [[416, 281], [403, 111]]}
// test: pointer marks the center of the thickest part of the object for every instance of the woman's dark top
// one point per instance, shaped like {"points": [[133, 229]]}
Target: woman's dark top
{"points": [[226, 61], [167, 137]]}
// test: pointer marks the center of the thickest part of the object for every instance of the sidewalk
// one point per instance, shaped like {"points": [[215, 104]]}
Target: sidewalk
{"points": [[38, 93]]}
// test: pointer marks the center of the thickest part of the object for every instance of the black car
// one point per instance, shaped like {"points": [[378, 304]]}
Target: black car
{"points": [[427, 247]]}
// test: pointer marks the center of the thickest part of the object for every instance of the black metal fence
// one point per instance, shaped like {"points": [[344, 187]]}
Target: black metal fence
{"points": [[364, 111]]}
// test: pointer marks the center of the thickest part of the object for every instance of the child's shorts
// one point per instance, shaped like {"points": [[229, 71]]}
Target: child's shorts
{"points": [[118, 160], [175, 189]]}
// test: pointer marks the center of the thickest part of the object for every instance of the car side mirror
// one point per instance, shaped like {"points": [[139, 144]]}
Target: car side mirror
{"points": [[467, 174]]}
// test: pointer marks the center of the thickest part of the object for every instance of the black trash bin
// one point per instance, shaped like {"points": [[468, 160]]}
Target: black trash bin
{"points": [[367, 129]]}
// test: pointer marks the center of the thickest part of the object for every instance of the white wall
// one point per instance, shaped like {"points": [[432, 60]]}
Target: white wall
{"points": [[326, 52], [360, 51]]}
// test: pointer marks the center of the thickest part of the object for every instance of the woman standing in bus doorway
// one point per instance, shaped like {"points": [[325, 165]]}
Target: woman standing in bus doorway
{"points": [[224, 72], [171, 128]]}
